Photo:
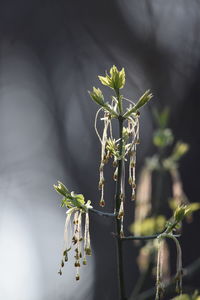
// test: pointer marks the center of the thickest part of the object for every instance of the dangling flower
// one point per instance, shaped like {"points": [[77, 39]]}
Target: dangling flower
{"points": [[73, 238]]}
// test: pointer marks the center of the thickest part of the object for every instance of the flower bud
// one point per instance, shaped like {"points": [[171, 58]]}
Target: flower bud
{"points": [[61, 189], [116, 80], [102, 203], [181, 212], [88, 251], [77, 264], [97, 96]]}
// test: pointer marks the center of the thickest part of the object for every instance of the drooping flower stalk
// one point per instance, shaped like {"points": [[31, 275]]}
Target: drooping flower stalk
{"points": [[74, 237]]}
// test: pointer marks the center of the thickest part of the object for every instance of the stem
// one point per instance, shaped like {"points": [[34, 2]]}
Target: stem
{"points": [[117, 221], [145, 237], [189, 272], [101, 213]]}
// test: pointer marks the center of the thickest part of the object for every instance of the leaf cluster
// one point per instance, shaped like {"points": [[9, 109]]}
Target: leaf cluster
{"points": [[71, 200]]}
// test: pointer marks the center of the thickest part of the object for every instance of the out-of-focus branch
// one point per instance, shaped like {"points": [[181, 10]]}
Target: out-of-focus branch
{"points": [[188, 273]]}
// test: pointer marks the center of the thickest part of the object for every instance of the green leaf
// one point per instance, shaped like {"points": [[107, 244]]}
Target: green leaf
{"points": [[180, 149], [161, 118], [97, 96], [116, 79], [181, 212], [141, 102]]}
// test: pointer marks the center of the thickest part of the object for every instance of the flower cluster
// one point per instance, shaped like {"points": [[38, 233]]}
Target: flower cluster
{"points": [[122, 148], [75, 237]]}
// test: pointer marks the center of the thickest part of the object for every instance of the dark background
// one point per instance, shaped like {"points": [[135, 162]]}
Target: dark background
{"points": [[50, 55]]}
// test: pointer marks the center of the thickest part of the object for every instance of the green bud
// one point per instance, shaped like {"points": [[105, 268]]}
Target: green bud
{"points": [[84, 261], [102, 203], [97, 96], [116, 80], [141, 102], [77, 264], [181, 212], [180, 149], [61, 189]]}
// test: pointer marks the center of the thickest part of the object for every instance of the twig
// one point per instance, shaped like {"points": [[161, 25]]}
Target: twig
{"points": [[147, 237], [101, 213]]}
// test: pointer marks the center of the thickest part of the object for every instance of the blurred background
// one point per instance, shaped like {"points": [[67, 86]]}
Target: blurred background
{"points": [[50, 55]]}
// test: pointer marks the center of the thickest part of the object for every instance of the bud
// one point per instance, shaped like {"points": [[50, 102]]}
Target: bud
{"points": [[179, 150], [181, 212], [77, 277], [61, 189], [74, 240], [120, 215], [77, 264], [84, 261], [97, 96], [141, 102], [102, 203], [116, 80], [88, 251], [132, 164]]}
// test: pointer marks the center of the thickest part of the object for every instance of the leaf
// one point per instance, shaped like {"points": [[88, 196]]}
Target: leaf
{"points": [[116, 80], [141, 102], [162, 117]]}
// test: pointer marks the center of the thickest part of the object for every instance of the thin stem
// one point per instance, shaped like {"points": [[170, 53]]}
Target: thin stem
{"points": [[101, 213], [119, 102], [147, 237], [117, 221]]}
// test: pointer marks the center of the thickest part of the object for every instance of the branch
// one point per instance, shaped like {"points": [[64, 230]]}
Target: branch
{"points": [[188, 273], [147, 237], [101, 213]]}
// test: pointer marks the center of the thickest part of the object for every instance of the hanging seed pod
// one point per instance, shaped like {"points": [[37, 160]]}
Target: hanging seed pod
{"points": [[60, 272], [102, 203], [84, 261]]}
